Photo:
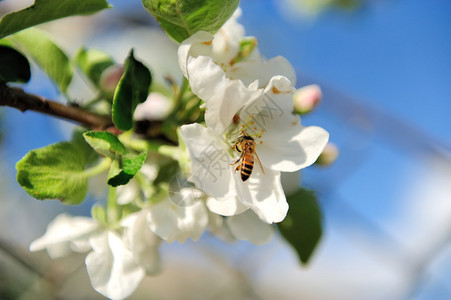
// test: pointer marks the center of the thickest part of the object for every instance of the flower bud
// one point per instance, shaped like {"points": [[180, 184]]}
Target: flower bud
{"points": [[306, 99], [328, 156], [156, 107], [110, 78]]}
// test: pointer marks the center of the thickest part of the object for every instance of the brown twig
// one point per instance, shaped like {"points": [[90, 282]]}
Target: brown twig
{"points": [[17, 98]]}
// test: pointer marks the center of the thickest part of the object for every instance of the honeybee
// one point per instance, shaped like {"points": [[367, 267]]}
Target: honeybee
{"points": [[245, 145]]}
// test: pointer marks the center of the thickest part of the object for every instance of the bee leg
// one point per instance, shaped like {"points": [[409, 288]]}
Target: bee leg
{"points": [[238, 168], [238, 160]]}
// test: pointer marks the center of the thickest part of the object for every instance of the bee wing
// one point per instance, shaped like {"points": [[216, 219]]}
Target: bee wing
{"points": [[260, 163]]}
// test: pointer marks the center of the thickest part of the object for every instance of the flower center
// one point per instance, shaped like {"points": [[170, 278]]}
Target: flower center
{"points": [[252, 129], [243, 130]]}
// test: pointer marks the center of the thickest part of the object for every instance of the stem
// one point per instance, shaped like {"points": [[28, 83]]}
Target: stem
{"points": [[154, 147], [112, 212], [17, 98], [99, 168]]}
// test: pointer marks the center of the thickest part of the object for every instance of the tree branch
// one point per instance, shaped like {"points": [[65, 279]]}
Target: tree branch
{"points": [[17, 98]]}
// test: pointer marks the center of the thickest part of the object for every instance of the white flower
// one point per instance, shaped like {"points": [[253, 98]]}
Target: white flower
{"points": [[251, 98], [245, 226], [218, 227], [111, 267], [282, 144], [142, 242], [66, 234], [248, 226], [172, 222], [223, 48]]}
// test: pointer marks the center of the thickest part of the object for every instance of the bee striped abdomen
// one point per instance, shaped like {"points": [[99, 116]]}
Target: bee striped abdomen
{"points": [[247, 165]]}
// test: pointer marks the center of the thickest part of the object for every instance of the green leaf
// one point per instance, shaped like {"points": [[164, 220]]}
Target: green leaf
{"points": [[182, 18], [93, 62], [105, 143], [46, 54], [132, 89], [121, 171], [302, 225], [54, 172], [14, 67], [47, 10], [79, 140]]}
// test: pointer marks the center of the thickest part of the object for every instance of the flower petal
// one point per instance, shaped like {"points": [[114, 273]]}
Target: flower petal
{"points": [[285, 144], [62, 232], [248, 226], [197, 44], [172, 222], [127, 193], [293, 148], [210, 162], [142, 242], [263, 194], [111, 267], [226, 42], [218, 227], [223, 96], [249, 70], [228, 207]]}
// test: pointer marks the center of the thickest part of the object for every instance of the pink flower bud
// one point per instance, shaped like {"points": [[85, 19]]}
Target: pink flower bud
{"points": [[156, 107], [328, 156], [307, 98], [110, 78]]}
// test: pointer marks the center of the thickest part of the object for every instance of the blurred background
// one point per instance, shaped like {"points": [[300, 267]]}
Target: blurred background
{"points": [[384, 67]]}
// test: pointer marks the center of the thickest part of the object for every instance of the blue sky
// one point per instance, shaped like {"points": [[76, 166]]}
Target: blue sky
{"points": [[385, 70], [384, 65]]}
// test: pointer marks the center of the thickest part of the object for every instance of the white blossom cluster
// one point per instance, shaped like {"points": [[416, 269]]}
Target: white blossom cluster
{"points": [[244, 95]]}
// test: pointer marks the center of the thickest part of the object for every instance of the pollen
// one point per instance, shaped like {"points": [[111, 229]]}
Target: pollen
{"points": [[207, 43], [275, 90]]}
